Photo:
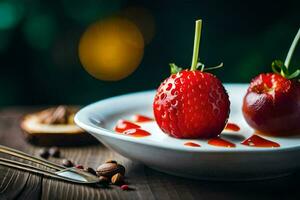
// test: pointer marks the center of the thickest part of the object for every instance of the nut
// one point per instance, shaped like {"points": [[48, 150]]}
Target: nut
{"points": [[121, 169], [90, 170], [111, 161], [44, 153], [117, 179], [67, 163], [110, 169], [54, 152]]}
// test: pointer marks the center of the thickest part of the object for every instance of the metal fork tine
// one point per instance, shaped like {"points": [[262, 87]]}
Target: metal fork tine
{"points": [[25, 156]]}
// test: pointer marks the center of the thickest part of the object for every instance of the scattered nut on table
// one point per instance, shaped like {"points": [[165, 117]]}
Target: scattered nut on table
{"points": [[111, 161], [90, 170], [44, 153], [110, 169], [117, 179], [54, 152], [67, 163]]}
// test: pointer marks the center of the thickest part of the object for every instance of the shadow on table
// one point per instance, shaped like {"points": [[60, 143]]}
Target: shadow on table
{"points": [[278, 188]]}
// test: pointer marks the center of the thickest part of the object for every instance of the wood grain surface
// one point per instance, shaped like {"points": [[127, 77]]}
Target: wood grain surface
{"points": [[147, 183]]}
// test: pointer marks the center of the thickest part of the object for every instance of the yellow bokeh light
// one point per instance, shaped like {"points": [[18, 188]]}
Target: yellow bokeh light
{"points": [[111, 49]]}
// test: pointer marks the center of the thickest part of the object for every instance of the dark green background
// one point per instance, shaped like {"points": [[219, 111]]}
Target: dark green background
{"points": [[38, 44]]}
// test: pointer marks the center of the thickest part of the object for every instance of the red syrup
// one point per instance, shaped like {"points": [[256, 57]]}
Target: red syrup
{"points": [[192, 144], [232, 127], [219, 142], [142, 118], [136, 132], [257, 141], [124, 125]]}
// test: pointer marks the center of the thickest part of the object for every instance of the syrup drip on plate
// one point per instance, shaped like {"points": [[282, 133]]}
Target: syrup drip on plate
{"points": [[232, 127], [192, 144], [257, 141], [130, 129], [136, 132], [141, 118], [124, 125], [219, 142]]}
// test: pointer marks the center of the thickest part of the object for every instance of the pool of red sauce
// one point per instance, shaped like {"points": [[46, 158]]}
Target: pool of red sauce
{"points": [[131, 129], [232, 127], [219, 142], [257, 141], [124, 125], [192, 144], [136, 132]]}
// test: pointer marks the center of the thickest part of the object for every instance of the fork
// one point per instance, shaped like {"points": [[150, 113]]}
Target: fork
{"points": [[67, 174]]}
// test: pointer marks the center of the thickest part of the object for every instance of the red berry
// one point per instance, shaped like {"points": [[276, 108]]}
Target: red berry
{"points": [[191, 104], [125, 187], [271, 104], [79, 166]]}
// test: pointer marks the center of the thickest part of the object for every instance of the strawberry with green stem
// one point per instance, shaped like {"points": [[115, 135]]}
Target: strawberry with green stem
{"points": [[272, 102], [192, 103]]}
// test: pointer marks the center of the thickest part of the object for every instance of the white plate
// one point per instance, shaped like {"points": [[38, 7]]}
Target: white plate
{"points": [[167, 154]]}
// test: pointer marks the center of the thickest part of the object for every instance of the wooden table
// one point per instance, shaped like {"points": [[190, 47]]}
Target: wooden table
{"points": [[147, 183]]}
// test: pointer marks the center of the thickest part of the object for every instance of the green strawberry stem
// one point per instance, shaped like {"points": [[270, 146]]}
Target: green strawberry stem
{"points": [[292, 49], [282, 68], [195, 63], [196, 45]]}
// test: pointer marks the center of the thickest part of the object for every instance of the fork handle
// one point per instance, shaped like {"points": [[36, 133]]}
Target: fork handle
{"points": [[29, 168], [25, 156]]}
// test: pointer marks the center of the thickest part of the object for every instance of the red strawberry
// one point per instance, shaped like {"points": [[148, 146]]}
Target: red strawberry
{"points": [[191, 103], [272, 102]]}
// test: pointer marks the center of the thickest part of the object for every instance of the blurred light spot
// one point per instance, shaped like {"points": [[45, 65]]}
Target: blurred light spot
{"points": [[143, 19], [10, 14], [111, 49], [40, 31], [87, 11]]}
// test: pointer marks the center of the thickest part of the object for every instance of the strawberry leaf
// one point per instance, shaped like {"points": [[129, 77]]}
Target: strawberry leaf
{"points": [[201, 65], [279, 68], [174, 68], [215, 67], [294, 75]]}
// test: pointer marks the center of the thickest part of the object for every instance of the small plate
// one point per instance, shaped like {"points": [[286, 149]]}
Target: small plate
{"points": [[170, 155]]}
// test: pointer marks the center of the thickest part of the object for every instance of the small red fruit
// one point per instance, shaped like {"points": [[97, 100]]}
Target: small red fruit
{"points": [[124, 187], [191, 103], [272, 104], [79, 166]]}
